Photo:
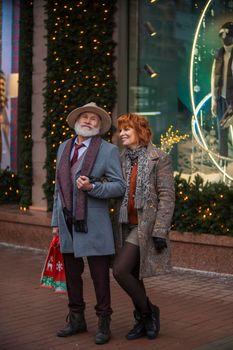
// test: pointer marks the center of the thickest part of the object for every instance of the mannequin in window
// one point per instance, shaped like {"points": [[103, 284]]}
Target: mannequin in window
{"points": [[222, 83]]}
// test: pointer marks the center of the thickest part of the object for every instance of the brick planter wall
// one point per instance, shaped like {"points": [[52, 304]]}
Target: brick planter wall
{"points": [[202, 251], [30, 229], [189, 250]]}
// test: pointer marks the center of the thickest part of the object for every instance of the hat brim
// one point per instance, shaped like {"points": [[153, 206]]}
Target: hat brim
{"points": [[104, 116]]}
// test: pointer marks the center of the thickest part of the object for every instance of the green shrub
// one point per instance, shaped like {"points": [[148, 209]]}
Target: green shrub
{"points": [[9, 187], [203, 207]]}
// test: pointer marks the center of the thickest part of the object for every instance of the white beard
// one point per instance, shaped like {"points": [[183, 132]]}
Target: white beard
{"points": [[84, 131]]}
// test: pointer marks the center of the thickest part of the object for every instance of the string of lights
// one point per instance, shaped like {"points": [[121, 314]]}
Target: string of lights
{"points": [[203, 207], [25, 175], [79, 69]]}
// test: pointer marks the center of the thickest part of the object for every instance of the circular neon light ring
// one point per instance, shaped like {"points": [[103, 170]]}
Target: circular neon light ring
{"points": [[195, 122]]}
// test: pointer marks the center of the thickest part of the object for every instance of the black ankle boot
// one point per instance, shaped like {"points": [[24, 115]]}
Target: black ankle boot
{"points": [[103, 334], [156, 313], [138, 330], [76, 324], [151, 321]]}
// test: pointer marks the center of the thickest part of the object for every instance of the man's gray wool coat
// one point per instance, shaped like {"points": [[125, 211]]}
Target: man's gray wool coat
{"points": [[99, 239]]}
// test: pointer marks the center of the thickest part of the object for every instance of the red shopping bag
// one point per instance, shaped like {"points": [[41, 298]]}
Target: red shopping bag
{"points": [[53, 274]]}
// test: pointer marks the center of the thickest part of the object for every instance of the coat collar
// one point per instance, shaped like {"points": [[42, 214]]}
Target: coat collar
{"points": [[152, 151], [153, 156]]}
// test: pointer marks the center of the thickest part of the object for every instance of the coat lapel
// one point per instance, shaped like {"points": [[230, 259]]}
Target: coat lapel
{"points": [[123, 163], [78, 165]]}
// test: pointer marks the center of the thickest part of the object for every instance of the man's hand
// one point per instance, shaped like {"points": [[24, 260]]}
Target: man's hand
{"points": [[160, 244], [83, 183], [55, 231]]}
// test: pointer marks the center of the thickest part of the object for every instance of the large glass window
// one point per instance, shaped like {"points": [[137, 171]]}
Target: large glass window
{"points": [[171, 52]]}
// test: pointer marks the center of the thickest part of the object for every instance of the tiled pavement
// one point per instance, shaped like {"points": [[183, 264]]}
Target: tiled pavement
{"points": [[196, 310]]}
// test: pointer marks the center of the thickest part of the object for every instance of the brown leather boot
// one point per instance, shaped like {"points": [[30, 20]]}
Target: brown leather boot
{"points": [[103, 334], [76, 324]]}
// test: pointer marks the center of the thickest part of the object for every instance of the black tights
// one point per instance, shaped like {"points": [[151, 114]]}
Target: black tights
{"points": [[126, 272]]}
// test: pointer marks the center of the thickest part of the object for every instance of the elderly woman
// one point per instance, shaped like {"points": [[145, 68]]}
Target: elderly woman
{"points": [[145, 215]]}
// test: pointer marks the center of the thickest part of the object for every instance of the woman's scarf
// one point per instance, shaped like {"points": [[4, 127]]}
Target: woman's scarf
{"points": [[142, 184]]}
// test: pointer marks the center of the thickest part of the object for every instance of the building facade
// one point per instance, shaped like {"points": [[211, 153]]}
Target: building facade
{"points": [[162, 67]]}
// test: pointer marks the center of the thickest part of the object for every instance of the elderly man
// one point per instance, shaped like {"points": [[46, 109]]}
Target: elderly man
{"points": [[88, 174]]}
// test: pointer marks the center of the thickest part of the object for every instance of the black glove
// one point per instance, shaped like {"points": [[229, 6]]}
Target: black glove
{"points": [[160, 244]]}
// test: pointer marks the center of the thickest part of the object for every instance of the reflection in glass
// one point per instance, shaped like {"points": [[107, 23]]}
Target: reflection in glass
{"points": [[166, 100]]}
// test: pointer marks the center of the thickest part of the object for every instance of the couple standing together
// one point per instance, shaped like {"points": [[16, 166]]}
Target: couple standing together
{"points": [[89, 172]]}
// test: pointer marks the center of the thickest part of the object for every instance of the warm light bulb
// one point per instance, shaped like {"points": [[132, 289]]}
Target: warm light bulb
{"points": [[150, 29], [150, 71]]}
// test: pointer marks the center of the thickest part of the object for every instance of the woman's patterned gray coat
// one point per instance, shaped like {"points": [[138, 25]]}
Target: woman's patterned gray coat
{"points": [[155, 218]]}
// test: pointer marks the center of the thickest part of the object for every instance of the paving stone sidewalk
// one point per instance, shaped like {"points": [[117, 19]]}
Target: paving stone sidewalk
{"points": [[196, 310]]}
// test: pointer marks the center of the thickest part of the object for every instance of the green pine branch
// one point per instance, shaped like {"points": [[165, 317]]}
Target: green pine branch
{"points": [[79, 69]]}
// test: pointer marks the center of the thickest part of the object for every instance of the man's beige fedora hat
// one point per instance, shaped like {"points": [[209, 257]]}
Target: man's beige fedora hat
{"points": [[91, 107]]}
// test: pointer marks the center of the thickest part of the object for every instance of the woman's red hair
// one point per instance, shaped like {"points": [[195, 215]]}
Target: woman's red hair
{"points": [[139, 124]]}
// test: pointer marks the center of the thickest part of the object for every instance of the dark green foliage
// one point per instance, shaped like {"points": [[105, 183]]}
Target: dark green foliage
{"points": [[203, 207], [79, 68], [25, 102], [9, 187]]}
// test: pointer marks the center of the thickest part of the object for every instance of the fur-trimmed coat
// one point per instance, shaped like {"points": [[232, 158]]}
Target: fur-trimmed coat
{"points": [[155, 218]]}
